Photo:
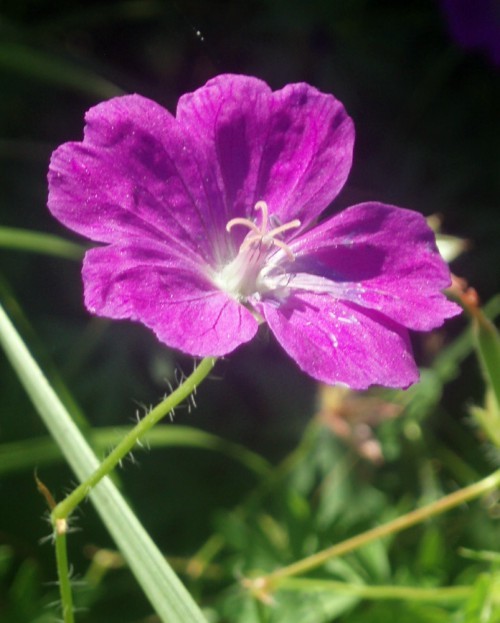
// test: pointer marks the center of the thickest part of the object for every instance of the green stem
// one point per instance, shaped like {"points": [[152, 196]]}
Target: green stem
{"points": [[445, 594], [42, 451], [488, 350], [419, 515], [202, 558], [64, 577], [62, 511], [66, 507]]}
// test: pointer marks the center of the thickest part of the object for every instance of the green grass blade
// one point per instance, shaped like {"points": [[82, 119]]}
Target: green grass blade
{"points": [[166, 593], [38, 242]]}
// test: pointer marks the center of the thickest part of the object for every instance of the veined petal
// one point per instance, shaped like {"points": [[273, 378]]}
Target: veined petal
{"points": [[135, 175], [380, 257], [174, 300], [176, 199], [337, 342], [291, 148]]}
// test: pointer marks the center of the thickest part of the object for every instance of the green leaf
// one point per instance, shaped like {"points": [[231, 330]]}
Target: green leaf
{"points": [[164, 590]]}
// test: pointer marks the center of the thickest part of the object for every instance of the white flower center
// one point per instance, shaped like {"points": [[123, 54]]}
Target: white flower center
{"points": [[245, 274]]}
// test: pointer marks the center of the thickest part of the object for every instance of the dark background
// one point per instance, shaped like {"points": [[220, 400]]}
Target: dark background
{"points": [[428, 138]]}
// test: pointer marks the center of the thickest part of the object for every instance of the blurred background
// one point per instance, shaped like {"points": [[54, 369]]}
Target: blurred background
{"points": [[421, 80]]}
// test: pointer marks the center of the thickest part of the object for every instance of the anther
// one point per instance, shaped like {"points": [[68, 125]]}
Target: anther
{"points": [[262, 206], [242, 221], [260, 234]]}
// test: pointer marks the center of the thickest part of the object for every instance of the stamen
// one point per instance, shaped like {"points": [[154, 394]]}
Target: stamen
{"points": [[262, 206], [278, 230], [285, 247], [261, 235], [242, 221]]}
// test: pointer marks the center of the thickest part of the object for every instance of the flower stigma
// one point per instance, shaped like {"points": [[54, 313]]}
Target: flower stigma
{"points": [[246, 274]]}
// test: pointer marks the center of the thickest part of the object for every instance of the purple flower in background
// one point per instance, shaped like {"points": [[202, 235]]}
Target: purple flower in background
{"points": [[475, 25], [207, 220]]}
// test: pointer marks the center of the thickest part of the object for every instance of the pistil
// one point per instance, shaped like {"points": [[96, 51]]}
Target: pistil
{"points": [[247, 273]]}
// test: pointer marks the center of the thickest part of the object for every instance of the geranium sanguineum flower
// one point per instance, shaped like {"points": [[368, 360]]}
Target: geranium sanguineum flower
{"points": [[207, 221]]}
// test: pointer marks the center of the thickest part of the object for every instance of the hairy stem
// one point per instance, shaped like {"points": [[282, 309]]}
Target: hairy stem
{"points": [[64, 577], [61, 512], [65, 508]]}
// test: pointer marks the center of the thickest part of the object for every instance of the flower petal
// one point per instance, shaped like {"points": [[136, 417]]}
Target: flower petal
{"points": [[183, 309], [380, 257], [339, 343], [134, 175], [291, 148]]}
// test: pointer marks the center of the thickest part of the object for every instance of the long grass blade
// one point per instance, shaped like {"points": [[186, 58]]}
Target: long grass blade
{"points": [[164, 590]]}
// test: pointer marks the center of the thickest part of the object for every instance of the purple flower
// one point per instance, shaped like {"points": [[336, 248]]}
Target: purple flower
{"points": [[207, 219]]}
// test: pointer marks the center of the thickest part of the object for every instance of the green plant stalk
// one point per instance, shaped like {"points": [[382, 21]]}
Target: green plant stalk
{"points": [[271, 581], [447, 362], [201, 560], [438, 595], [64, 578], [41, 451], [66, 507], [167, 595], [62, 511]]}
